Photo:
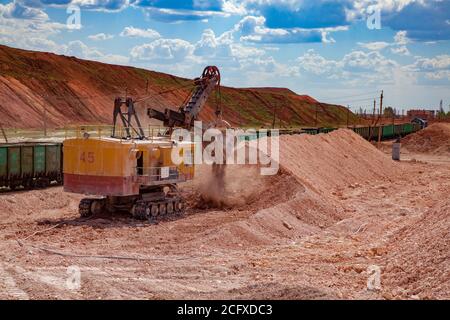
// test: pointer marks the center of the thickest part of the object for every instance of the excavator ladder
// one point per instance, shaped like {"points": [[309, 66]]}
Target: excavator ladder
{"points": [[189, 111]]}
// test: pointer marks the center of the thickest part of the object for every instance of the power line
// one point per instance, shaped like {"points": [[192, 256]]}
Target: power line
{"points": [[74, 97], [163, 92], [362, 100], [352, 96]]}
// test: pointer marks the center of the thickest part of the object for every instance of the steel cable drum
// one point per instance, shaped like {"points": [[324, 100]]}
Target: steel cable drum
{"points": [[211, 72]]}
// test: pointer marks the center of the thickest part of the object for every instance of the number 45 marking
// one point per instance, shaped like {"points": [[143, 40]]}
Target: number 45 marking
{"points": [[87, 157]]}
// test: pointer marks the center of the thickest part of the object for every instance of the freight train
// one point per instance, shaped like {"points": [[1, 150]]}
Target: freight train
{"points": [[38, 165], [30, 165], [371, 133]]}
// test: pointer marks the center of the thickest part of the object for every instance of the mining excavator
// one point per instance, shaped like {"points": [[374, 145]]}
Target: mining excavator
{"points": [[129, 171]]}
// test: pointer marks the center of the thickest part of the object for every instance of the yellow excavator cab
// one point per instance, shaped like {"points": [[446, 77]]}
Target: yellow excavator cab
{"points": [[108, 167]]}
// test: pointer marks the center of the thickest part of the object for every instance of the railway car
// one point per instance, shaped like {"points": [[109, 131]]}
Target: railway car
{"points": [[369, 133], [30, 165], [327, 130], [363, 132], [387, 131]]}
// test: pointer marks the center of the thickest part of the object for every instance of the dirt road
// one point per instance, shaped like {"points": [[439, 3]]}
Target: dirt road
{"points": [[320, 229]]}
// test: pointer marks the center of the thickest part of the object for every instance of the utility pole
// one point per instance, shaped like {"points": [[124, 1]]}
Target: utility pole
{"points": [[317, 111], [373, 121], [4, 133], [274, 117], [348, 115], [393, 116], [45, 120], [374, 109], [380, 126]]}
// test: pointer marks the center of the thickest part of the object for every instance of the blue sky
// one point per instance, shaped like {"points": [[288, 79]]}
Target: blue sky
{"points": [[328, 49]]}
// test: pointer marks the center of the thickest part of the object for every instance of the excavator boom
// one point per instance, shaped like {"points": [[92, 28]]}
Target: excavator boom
{"points": [[189, 111]]}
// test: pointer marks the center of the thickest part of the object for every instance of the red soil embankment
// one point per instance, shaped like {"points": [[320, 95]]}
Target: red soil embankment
{"points": [[71, 91], [300, 200], [418, 258], [432, 140]]}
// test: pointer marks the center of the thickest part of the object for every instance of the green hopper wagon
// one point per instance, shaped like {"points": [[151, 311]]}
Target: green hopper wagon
{"points": [[30, 165]]}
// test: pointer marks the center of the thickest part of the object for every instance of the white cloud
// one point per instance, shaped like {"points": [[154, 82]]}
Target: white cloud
{"points": [[429, 70], [100, 37], [80, 50], [179, 15], [163, 51], [34, 43], [223, 51], [15, 10], [253, 29], [401, 39], [361, 7], [243, 52], [139, 33], [438, 75], [220, 50], [261, 65], [100, 5], [234, 7], [28, 28], [374, 46], [440, 62], [355, 67], [212, 46], [397, 47], [402, 50], [314, 63], [359, 60]]}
